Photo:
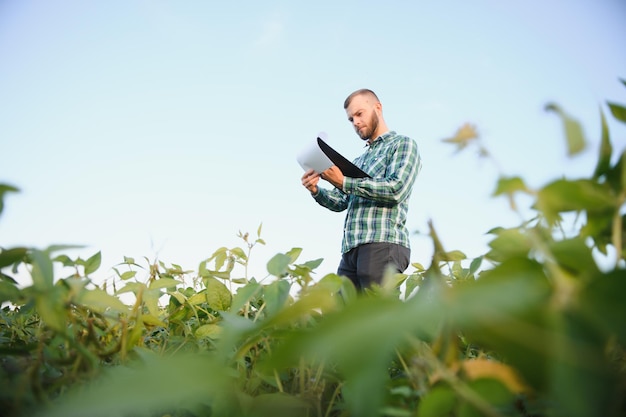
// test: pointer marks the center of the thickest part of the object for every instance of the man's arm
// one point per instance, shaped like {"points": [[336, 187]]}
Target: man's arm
{"points": [[334, 199], [398, 182]]}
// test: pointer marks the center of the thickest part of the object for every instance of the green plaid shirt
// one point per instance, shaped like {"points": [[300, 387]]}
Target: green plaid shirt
{"points": [[377, 207]]}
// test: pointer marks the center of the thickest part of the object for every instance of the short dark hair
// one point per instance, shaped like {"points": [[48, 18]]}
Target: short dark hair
{"points": [[360, 92]]}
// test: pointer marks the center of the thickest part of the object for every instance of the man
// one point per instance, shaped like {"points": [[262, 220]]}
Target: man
{"points": [[375, 235]]}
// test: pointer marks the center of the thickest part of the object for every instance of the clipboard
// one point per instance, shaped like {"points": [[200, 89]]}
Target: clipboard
{"points": [[347, 168], [319, 156]]}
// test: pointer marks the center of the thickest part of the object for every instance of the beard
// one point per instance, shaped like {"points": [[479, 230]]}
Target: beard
{"points": [[370, 127]]}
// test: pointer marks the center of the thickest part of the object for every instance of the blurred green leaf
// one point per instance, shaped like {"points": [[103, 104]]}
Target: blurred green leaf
{"points": [[128, 275], [602, 301], [509, 289], [451, 256], [164, 283], [294, 254], [100, 301], [621, 168], [278, 266], [464, 135], [577, 195], [504, 310], [438, 402], [475, 264], [218, 296], [618, 111], [9, 292], [276, 295], [208, 330], [11, 256], [492, 392], [509, 243], [93, 263], [573, 130], [606, 150], [50, 306], [160, 383], [239, 253], [582, 378], [150, 320], [574, 256], [42, 272], [510, 185], [5, 188], [244, 295]]}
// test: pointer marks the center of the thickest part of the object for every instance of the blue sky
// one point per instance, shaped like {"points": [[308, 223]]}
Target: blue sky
{"points": [[160, 129]]}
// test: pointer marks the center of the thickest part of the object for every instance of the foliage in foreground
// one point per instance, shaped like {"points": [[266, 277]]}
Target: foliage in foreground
{"points": [[534, 327]]}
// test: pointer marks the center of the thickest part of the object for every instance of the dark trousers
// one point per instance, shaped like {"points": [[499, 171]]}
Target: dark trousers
{"points": [[367, 264]]}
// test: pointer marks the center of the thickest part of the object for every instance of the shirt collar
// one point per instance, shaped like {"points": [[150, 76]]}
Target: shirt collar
{"points": [[381, 138]]}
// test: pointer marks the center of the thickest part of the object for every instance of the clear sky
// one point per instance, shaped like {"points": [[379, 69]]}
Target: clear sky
{"points": [[160, 129]]}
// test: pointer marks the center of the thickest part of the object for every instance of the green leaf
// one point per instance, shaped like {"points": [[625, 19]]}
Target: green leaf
{"points": [[276, 295], [9, 292], [510, 185], [164, 283], [159, 383], [42, 273], [93, 263], [438, 402], [603, 165], [244, 295], [602, 301], [574, 256], [464, 135], [618, 111], [621, 167], [366, 328], [218, 296], [134, 287], [51, 307], [220, 256], [239, 253], [314, 263], [150, 320], [509, 243], [151, 301], [55, 248], [100, 301], [573, 130], [11, 256], [294, 254], [64, 260], [493, 392], [475, 264], [332, 283], [504, 310], [5, 188], [583, 378], [455, 255], [579, 195], [128, 275], [211, 331], [278, 266], [511, 288]]}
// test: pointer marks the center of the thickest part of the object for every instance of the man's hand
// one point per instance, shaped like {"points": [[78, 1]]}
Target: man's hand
{"points": [[334, 176], [310, 180]]}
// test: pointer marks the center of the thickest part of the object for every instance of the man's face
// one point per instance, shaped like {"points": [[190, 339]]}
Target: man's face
{"points": [[361, 114]]}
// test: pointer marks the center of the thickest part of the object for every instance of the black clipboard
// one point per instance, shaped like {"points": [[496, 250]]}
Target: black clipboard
{"points": [[347, 168]]}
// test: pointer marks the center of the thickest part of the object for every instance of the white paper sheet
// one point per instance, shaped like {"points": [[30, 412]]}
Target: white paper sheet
{"points": [[312, 157]]}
